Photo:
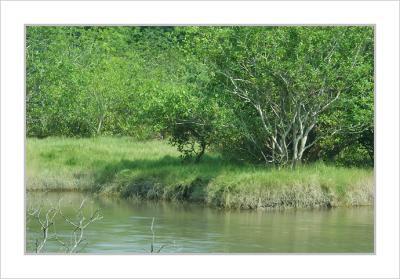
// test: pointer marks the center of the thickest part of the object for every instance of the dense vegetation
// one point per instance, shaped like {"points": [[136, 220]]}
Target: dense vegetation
{"points": [[263, 95], [153, 170]]}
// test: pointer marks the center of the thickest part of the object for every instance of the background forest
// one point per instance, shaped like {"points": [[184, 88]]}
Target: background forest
{"points": [[263, 95]]}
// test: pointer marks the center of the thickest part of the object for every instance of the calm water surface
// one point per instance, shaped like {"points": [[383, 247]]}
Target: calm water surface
{"points": [[125, 228]]}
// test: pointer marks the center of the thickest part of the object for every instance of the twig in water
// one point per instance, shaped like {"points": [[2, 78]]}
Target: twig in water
{"points": [[79, 226], [152, 245]]}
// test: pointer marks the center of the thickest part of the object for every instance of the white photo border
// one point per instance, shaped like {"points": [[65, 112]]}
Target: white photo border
{"points": [[383, 15]]}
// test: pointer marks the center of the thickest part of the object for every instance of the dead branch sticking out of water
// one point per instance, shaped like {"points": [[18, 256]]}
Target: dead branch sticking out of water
{"points": [[79, 223], [152, 245], [45, 225]]}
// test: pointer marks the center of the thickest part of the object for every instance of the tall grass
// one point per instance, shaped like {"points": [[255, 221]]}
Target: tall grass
{"points": [[153, 170]]}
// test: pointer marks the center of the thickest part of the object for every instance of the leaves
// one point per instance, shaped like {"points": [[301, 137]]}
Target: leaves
{"points": [[241, 84]]}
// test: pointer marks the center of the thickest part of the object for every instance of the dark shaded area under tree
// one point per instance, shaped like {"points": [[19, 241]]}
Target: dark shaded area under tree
{"points": [[265, 95]]}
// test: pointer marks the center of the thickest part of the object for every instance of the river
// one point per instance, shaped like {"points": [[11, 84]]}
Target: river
{"points": [[192, 228]]}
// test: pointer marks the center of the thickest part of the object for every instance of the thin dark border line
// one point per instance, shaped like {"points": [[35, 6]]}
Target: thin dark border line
{"points": [[206, 254], [25, 141], [191, 254], [375, 116], [200, 25]]}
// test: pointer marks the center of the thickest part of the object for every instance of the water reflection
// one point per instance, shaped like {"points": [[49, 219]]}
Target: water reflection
{"points": [[125, 227]]}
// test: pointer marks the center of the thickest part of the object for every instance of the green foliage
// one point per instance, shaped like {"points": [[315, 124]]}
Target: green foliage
{"points": [[244, 91], [283, 83], [153, 170]]}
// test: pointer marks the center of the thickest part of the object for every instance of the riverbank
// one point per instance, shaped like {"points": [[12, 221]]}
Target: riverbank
{"points": [[153, 170]]}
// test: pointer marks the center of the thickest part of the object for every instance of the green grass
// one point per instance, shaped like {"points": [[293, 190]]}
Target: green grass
{"points": [[153, 170]]}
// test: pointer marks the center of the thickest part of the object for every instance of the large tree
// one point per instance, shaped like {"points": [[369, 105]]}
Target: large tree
{"points": [[276, 95], [289, 77]]}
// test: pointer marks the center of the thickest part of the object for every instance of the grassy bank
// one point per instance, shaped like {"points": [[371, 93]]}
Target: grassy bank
{"points": [[153, 170]]}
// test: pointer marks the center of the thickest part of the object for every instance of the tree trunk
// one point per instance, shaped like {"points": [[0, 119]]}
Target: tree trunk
{"points": [[295, 155], [201, 153], [100, 124], [302, 146]]}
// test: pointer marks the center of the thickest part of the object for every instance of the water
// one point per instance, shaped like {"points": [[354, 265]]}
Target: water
{"points": [[188, 228]]}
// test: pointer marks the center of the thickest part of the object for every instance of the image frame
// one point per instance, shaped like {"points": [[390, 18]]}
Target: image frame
{"points": [[376, 249]]}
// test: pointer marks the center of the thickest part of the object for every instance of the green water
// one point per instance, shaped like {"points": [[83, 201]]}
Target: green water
{"points": [[188, 228]]}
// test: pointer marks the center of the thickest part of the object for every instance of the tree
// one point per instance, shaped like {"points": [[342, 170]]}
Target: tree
{"points": [[290, 77], [277, 95]]}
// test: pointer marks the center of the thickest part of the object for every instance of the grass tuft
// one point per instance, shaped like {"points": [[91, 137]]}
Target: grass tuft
{"points": [[153, 170]]}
